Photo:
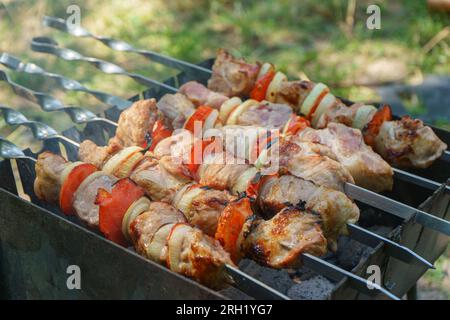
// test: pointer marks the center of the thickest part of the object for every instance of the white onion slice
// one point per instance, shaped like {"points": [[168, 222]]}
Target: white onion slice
{"points": [[312, 97], [242, 183], [139, 206], [158, 243], [175, 245], [266, 67], [327, 101], [275, 86], [68, 169], [179, 194], [184, 204], [211, 120], [227, 107], [363, 116], [116, 160], [233, 118]]}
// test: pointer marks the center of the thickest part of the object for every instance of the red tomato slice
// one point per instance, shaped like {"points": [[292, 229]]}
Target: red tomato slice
{"points": [[114, 205], [260, 89], [372, 129], [201, 114], [230, 225], [159, 132], [296, 124], [316, 103], [71, 184], [199, 147]]}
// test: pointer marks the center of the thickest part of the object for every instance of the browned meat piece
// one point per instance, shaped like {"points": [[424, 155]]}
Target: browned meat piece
{"points": [[135, 123], [335, 208], [49, 167], [232, 76], [89, 152], [199, 95], [158, 183], [304, 160], [178, 145], [408, 143], [266, 114], [280, 241], [84, 198], [144, 227], [339, 113], [198, 256], [176, 108], [367, 168], [202, 206], [294, 93], [220, 175]]}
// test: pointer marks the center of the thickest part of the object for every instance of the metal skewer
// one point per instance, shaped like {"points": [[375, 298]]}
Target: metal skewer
{"points": [[244, 282]]}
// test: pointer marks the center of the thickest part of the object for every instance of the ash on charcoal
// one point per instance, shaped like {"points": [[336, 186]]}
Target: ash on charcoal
{"points": [[350, 252], [315, 288]]}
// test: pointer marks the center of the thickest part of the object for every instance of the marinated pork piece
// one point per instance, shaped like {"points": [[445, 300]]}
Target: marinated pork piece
{"points": [[49, 167], [280, 241], [368, 169], [232, 76], [339, 113], [335, 208], [144, 227], [135, 123], [176, 108], [158, 183], [304, 160], [408, 143], [200, 95], [267, 115], [89, 152], [194, 254], [178, 145], [84, 198], [294, 93]]}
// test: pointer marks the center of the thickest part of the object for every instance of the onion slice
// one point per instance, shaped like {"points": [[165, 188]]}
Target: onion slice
{"points": [[67, 170], [363, 116], [234, 115], [313, 98], [139, 206], [275, 86], [156, 248], [184, 204], [117, 160], [175, 245], [265, 68], [327, 101], [227, 107]]}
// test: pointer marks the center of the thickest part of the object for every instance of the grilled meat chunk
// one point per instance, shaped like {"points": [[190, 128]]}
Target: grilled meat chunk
{"points": [[232, 76], [135, 123], [367, 168], [200, 95], [408, 143], [176, 108], [280, 241], [305, 161], [84, 198], [144, 227], [267, 115], [49, 167], [335, 208], [159, 184], [294, 93], [89, 152]]}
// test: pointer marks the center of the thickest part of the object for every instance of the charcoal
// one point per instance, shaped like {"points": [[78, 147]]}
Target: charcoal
{"points": [[315, 288]]}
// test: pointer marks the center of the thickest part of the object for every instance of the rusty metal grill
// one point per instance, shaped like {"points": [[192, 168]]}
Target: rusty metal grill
{"points": [[401, 231]]}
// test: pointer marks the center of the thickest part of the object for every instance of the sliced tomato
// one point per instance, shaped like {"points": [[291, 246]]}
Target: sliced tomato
{"points": [[201, 114], [372, 129], [159, 132], [197, 151], [114, 205], [71, 184], [296, 124], [230, 225], [263, 142], [256, 183], [260, 89]]}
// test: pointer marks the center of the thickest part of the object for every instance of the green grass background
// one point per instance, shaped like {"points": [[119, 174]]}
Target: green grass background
{"points": [[303, 37]]}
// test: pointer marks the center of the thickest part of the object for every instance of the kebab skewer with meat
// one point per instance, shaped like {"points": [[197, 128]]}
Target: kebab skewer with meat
{"points": [[405, 143], [161, 233]]}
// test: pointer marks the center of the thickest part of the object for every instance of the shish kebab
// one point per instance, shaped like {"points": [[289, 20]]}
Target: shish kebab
{"points": [[394, 207], [124, 191], [405, 142], [43, 132]]}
